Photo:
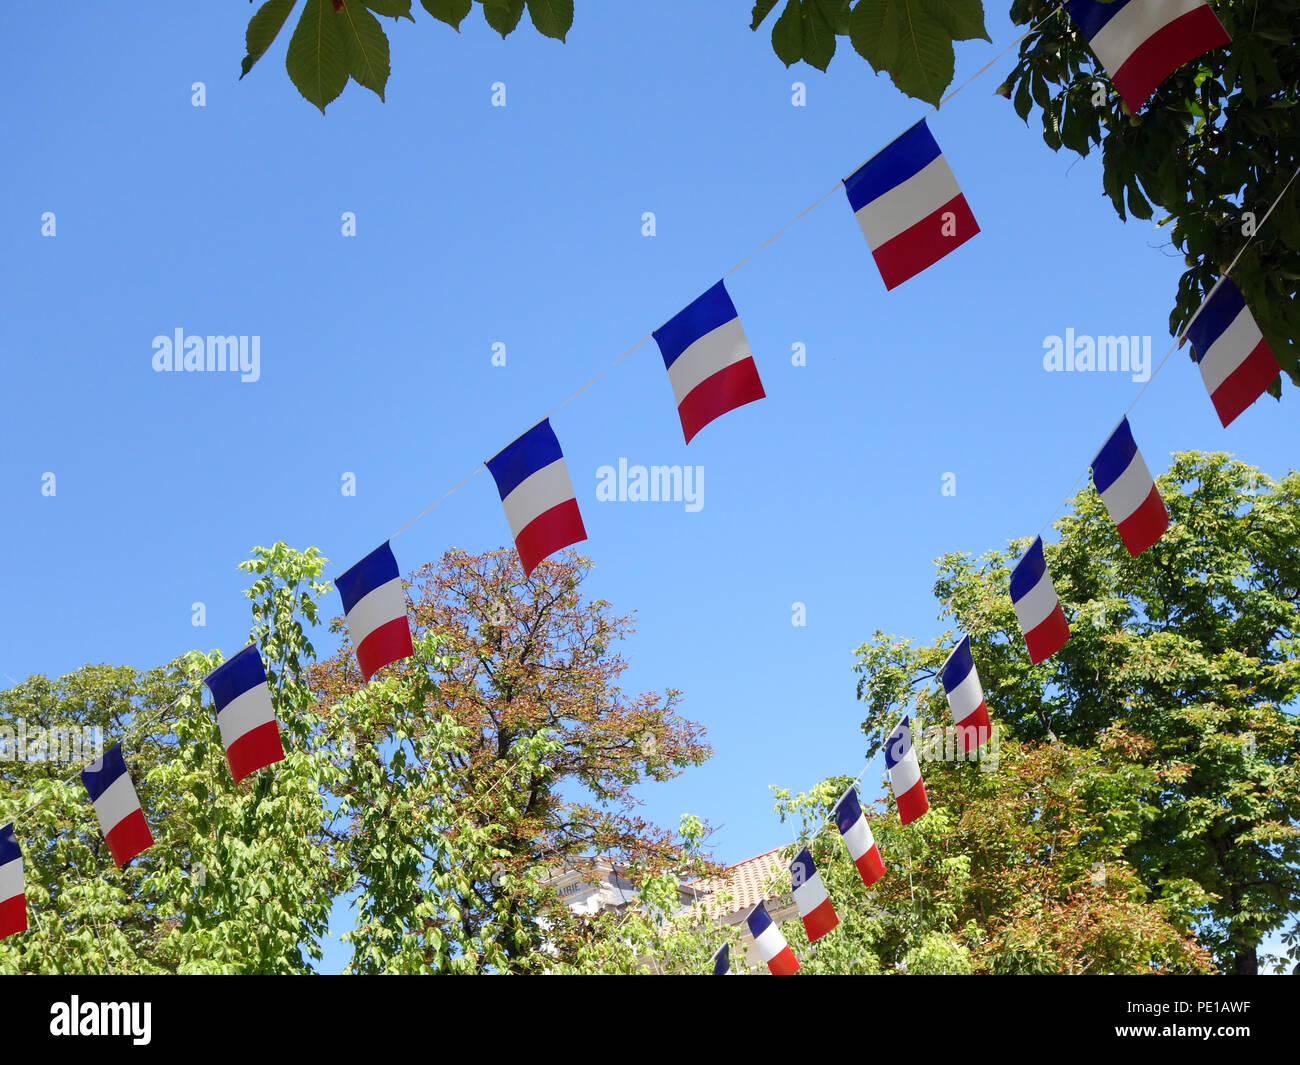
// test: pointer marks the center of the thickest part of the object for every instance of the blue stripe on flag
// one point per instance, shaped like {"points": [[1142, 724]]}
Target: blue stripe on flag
{"points": [[802, 869], [1215, 317], [898, 744], [1114, 457], [1090, 16], [904, 157], [1029, 571], [112, 766], [377, 568], [703, 316], [518, 461], [958, 666], [722, 960], [847, 811], [235, 676], [759, 921], [9, 851]]}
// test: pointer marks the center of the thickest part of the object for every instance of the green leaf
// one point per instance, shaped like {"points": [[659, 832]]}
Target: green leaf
{"points": [[910, 39], [787, 34], [315, 61], [1137, 203], [366, 47], [262, 30], [553, 18], [760, 12], [452, 12], [391, 8], [963, 19], [837, 15], [503, 15], [818, 38]]}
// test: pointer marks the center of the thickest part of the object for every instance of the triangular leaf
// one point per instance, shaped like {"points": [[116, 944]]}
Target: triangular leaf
{"points": [[365, 45], [315, 61], [503, 15], [452, 12], [263, 27], [760, 12], [818, 37], [910, 39], [787, 34], [553, 18], [391, 8]]}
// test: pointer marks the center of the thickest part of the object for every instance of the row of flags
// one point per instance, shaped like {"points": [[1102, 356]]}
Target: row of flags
{"points": [[912, 213]]}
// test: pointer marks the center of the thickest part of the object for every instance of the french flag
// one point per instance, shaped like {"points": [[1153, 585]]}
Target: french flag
{"points": [[722, 961], [1142, 42], [708, 360], [810, 896], [772, 947], [245, 716], [905, 774], [538, 496], [1038, 608], [374, 606], [856, 830], [13, 890], [116, 805], [1237, 365], [1129, 491], [908, 204], [961, 685]]}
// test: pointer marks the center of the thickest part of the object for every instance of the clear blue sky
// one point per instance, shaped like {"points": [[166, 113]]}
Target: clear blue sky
{"points": [[522, 225]]}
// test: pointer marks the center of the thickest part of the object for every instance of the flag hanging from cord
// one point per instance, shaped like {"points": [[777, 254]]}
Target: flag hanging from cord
{"points": [[1142, 42], [117, 806], [537, 495], [245, 716], [810, 896], [772, 947], [858, 838], [961, 685], [909, 206], [1038, 608], [374, 606], [1129, 491], [708, 360], [1237, 365], [13, 888], [722, 961], [905, 774]]}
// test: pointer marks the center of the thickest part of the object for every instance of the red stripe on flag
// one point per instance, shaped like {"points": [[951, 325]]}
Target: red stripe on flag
{"points": [[129, 837], [1145, 525], [548, 532], [13, 916], [784, 964], [912, 803], [1165, 51], [871, 866], [391, 642], [925, 243], [820, 921], [254, 750], [731, 387], [1246, 383], [973, 729], [1049, 637]]}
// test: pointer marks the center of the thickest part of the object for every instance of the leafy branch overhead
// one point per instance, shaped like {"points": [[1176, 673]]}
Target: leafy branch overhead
{"points": [[335, 40]]}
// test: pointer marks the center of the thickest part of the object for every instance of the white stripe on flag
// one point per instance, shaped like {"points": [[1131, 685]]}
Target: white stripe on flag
{"points": [[377, 607], [714, 351], [244, 713], [1228, 351], [11, 879], [808, 896], [1038, 604], [1128, 28], [536, 494], [117, 802], [1129, 491], [966, 697], [771, 942], [905, 774], [859, 839], [904, 205]]}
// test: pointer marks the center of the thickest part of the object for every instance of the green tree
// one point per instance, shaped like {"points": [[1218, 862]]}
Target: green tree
{"points": [[1189, 650]]}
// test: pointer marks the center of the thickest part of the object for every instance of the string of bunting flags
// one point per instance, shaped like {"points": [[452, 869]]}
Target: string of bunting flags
{"points": [[912, 214]]}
